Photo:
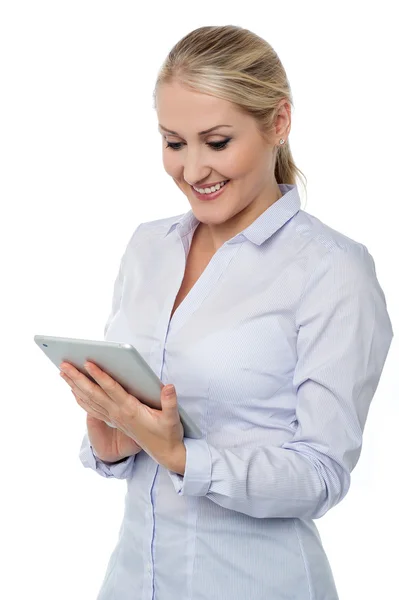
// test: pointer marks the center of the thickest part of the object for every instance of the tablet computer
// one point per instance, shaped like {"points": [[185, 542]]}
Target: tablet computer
{"points": [[122, 362]]}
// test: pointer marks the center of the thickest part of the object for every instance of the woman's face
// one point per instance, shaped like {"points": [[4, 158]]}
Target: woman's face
{"points": [[244, 157]]}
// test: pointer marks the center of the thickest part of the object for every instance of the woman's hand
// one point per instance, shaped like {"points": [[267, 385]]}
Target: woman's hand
{"points": [[158, 432], [109, 444]]}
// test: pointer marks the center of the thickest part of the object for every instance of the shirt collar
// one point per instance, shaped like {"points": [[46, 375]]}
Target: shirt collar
{"points": [[272, 219]]}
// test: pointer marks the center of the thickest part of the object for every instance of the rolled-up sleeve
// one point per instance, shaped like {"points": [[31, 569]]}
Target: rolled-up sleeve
{"points": [[343, 337], [119, 470]]}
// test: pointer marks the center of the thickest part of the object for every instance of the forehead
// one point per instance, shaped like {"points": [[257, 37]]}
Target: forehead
{"points": [[178, 107]]}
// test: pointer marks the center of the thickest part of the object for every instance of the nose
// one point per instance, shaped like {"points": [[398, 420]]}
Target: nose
{"points": [[193, 171]]}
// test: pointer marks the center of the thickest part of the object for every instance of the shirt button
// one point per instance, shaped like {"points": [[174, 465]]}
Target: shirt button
{"points": [[149, 567]]}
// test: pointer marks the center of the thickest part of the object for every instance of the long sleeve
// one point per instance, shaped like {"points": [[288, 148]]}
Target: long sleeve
{"points": [[343, 338], [123, 469]]}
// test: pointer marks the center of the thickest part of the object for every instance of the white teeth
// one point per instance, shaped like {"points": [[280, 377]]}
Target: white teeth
{"points": [[214, 188]]}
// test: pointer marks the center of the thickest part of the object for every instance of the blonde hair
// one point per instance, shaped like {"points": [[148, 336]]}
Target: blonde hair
{"points": [[237, 65]]}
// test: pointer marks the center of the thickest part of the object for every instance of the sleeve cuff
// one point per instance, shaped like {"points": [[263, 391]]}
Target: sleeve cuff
{"points": [[121, 470], [197, 476]]}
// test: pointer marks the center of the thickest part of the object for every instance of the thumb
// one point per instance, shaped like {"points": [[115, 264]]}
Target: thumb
{"points": [[169, 401]]}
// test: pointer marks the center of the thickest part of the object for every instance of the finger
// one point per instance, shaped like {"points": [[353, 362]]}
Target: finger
{"points": [[169, 403], [127, 405], [90, 411], [88, 387], [90, 400], [111, 387]]}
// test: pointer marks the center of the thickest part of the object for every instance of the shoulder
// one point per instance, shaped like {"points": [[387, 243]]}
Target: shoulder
{"points": [[319, 245], [321, 236]]}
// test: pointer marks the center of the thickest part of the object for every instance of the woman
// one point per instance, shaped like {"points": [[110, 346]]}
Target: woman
{"points": [[272, 327]]}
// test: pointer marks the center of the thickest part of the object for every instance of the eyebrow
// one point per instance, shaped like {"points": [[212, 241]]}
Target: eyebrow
{"points": [[200, 133]]}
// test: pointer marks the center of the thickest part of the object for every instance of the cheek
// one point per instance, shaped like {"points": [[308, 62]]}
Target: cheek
{"points": [[241, 162], [171, 163]]}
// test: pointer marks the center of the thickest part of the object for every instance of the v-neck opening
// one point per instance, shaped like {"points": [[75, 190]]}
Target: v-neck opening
{"points": [[192, 290], [197, 282]]}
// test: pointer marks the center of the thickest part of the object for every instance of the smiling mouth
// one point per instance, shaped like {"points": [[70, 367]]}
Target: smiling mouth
{"points": [[207, 188], [209, 196]]}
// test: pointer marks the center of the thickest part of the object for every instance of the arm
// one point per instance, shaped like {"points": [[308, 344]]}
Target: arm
{"points": [[344, 334], [119, 470]]}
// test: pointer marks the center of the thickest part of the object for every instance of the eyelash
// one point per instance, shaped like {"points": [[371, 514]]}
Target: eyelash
{"points": [[214, 145]]}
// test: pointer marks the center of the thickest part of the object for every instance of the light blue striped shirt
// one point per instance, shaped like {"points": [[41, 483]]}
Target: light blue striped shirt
{"points": [[276, 353]]}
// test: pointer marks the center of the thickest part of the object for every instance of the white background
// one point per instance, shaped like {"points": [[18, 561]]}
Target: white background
{"points": [[81, 167]]}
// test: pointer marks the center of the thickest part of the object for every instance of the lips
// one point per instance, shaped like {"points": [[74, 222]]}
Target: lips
{"points": [[212, 195]]}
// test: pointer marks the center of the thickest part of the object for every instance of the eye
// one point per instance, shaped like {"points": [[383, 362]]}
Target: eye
{"points": [[214, 145]]}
